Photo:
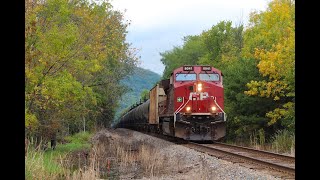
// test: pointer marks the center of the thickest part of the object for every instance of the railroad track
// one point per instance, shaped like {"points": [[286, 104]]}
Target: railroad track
{"points": [[276, 164]]}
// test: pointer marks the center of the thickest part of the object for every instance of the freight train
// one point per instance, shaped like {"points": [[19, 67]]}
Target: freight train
{"points": [[188, 105]]}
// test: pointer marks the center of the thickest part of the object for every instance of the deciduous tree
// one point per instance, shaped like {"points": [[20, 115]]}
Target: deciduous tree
{"points": [[270, 39], [76, 54]]}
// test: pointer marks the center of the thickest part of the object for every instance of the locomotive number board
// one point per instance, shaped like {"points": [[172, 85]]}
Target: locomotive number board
{"points": [[188, 68], [206, 68]]}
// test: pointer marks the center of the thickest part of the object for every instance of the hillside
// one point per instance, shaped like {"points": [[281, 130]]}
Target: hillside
{"points": [[140, 80]]}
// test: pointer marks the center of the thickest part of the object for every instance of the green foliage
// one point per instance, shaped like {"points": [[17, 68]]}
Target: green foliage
{"points": [[220, 47], [270, 39], [217, 47], [75, 57], [246, 114], [257, 63], [223, 43], [79, 138], [48, 164], [189, 54], [141, 80], [39, 165], [144, 96], [31, 121]]}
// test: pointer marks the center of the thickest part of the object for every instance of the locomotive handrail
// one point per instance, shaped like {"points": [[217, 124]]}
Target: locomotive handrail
{"points": [[173, 116], [224, 113], [178, 110], [175, 113]]}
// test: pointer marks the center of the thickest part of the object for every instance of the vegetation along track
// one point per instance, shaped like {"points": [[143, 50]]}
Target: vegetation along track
{"points": [[276, 164]]}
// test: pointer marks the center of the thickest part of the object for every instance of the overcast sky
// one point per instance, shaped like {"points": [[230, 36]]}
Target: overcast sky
{"points": [[159, 25]]}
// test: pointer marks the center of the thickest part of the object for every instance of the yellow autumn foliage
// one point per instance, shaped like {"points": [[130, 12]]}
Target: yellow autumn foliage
{"points": [[278, 113], [31, 121], [272, 44], [73, 52]]}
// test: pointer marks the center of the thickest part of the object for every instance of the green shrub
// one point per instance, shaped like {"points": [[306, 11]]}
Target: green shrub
{"points": [[79, 138]]}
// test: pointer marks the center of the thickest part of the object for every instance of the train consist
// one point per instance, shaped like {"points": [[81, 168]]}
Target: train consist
{"points": [[189, 105]]}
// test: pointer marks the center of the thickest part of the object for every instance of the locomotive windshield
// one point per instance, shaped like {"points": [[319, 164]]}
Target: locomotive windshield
{"points": [[186, 77], [209, 77]]}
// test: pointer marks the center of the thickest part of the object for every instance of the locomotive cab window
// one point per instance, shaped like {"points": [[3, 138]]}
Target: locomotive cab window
{"points": [[209, 77], [186, 77]]}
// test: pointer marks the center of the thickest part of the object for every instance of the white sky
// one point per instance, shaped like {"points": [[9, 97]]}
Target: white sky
{"points": [[159, 25]]}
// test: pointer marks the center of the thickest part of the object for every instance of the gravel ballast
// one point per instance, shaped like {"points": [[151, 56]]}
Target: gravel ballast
{"points": [[182, 162]]}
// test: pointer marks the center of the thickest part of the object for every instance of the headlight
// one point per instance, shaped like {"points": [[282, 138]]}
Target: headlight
{"points": [[199, 87], [188, 108], [213, 108]]}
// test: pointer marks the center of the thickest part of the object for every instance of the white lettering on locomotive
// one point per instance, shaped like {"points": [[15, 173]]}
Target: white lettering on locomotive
{"points": [[198, 96]]}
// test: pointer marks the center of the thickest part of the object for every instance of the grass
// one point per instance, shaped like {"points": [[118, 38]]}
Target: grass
{"points": [[41, 165], [125, 158], [50, 164], [257, 139], [122, 157], [79, 138], [284, 142], [112, 157], [107, 159]]}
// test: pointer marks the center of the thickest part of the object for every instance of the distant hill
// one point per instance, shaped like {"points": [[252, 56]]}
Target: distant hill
{"points": [[140, 80]]}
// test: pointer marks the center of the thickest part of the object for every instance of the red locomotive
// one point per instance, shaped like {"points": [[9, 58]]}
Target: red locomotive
{"points": [[189, 105]]}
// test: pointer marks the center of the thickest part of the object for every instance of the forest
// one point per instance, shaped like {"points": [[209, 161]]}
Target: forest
{"points": [[81, 74], [258, 66], [139, 84], [77, 56]]}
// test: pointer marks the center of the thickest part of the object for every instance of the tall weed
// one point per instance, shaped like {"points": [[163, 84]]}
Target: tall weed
{"points": [[283, 142]]}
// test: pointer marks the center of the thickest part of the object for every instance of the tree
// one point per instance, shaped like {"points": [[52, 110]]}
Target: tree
{"points": [[189, 54], [144, 96], [75, 56], [245, 114], [223, 44], [270, 40]]}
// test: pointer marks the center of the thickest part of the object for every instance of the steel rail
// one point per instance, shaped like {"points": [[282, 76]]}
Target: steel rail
{"points": [[214, 151], [282, 157], [288, 172]]}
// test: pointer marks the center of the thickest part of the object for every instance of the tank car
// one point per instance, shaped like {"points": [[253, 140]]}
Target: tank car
{"points": [[188, 105]]}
